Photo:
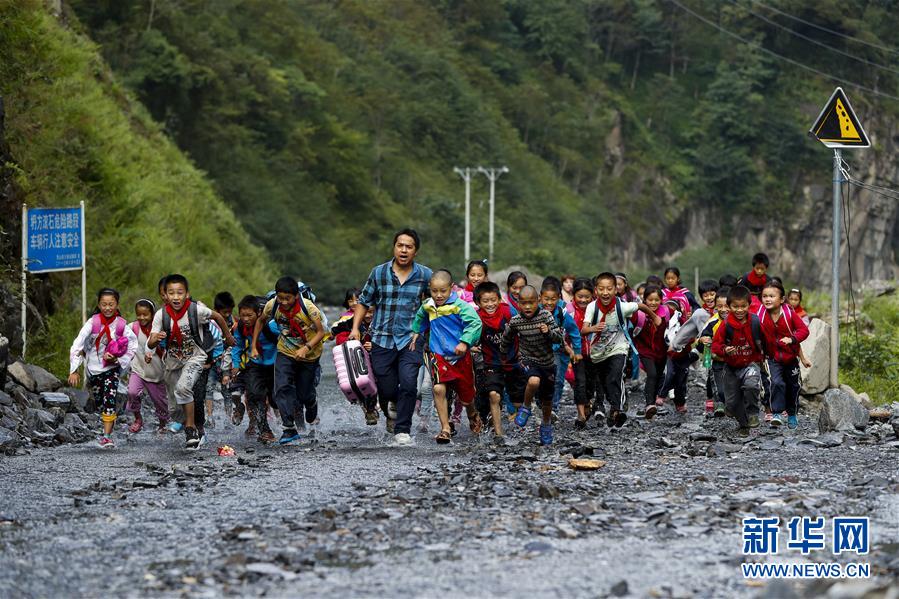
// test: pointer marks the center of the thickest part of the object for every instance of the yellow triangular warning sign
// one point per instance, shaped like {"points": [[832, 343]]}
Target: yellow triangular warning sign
{"points": [[837, 126]]}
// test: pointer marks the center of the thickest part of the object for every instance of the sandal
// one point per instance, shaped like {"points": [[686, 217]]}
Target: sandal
{"points": [[443, 437]]}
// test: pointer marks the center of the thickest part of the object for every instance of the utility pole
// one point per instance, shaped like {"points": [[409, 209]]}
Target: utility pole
{"points": [[493, 174], [466, 174]]}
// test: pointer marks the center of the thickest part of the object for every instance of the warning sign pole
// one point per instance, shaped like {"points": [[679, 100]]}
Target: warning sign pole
{"points": [[835, 296], [837, 126]]}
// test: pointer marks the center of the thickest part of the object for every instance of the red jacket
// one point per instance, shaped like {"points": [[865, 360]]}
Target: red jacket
{"points": [[741, 337], [788, 325], [650, 343]]}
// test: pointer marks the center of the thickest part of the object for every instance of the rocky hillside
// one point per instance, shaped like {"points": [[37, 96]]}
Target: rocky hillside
{"points": [[637, 134], [71, 132]]}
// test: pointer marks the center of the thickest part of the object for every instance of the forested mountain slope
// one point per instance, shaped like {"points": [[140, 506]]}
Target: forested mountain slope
{"points": [[635, 132]]}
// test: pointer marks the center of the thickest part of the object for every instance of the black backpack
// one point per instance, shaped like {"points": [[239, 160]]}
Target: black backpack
{"points": [[200, 335]]}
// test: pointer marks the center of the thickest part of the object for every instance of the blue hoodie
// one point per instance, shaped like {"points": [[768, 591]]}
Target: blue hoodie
{"points": [[268, 346]]}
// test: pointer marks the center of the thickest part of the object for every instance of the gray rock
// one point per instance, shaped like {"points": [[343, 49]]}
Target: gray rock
{"points": [[25, 399], [841, 412], [40, 420], [619, 589], [43, 380], [9, 440], [817, 349], [54, 399], [79, 397], [20, 373], [63, 435], [6, 399]]}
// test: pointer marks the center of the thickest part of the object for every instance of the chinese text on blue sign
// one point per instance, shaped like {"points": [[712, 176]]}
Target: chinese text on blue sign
{"points": [[54, 239]]}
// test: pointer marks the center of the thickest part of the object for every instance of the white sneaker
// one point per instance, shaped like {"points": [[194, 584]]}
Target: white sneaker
{"points": [[403, 439]]}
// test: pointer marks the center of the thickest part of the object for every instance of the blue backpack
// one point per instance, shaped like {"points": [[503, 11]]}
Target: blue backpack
{"points": [[633, 355]]}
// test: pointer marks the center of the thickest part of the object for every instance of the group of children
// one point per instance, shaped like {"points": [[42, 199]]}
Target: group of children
{"points": [[486, 352], [181, 353]]}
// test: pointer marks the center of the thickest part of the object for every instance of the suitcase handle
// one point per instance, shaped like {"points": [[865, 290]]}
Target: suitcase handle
{"points": [[359, 358]]}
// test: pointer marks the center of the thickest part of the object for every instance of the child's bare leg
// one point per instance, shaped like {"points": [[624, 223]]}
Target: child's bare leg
{"points": [[547, 411], [442, 408], [582, 412], [496, 411], [188, 415], [531, 390], [209, 408]]}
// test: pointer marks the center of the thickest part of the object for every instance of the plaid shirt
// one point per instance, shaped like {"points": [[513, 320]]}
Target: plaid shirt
{"points": [[395, 304]]}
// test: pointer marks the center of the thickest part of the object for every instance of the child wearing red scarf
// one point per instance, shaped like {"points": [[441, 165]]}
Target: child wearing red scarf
{"points": [[147, 370], [608, 345], [185, 360], [756, 279], [299, 351], [91, 347]]}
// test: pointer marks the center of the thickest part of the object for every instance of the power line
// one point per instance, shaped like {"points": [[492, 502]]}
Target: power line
{"points": [[825, 29], [816, 42], [782, 57]]}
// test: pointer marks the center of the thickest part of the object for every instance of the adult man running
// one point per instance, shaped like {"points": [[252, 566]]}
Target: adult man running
{"points": [[395, 289]]}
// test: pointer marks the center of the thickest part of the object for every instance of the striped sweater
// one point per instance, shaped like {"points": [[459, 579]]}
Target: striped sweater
{"points": [[534, 347]]}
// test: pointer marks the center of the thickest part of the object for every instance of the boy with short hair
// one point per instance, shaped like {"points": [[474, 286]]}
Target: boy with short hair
{"points": [[219, 377], [756, 279], [536, 331], [501, 371], [738, 342], [609, 351], [182, 323], [454, 327], [299, 350], [715, 387], [257, 373], [570, 348]]}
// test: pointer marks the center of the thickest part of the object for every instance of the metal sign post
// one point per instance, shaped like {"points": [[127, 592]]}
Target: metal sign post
{"points": [[835, 288], [52, 241], [837, 127]]}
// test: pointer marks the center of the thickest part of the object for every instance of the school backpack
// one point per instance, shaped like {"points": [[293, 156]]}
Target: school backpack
{"points": [[756, 326], [633, 358], [97, 326], [303, 290], [201, 336]]}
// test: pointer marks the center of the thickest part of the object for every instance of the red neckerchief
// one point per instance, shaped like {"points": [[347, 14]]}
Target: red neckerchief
{"points": [[605, 310], [176, 317], [247, 333], [755, 280], [494, 321], [579, 314], [106, 331], [296, 330], [469, 287], [146, 331], [709, 308]]}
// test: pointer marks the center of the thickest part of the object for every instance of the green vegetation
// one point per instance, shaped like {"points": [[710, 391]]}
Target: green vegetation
{"points": [[869, 354], [77, 135], [325, 125]]}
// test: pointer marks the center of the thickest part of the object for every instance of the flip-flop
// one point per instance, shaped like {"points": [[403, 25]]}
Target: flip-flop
{"points": [[443, 437]]}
